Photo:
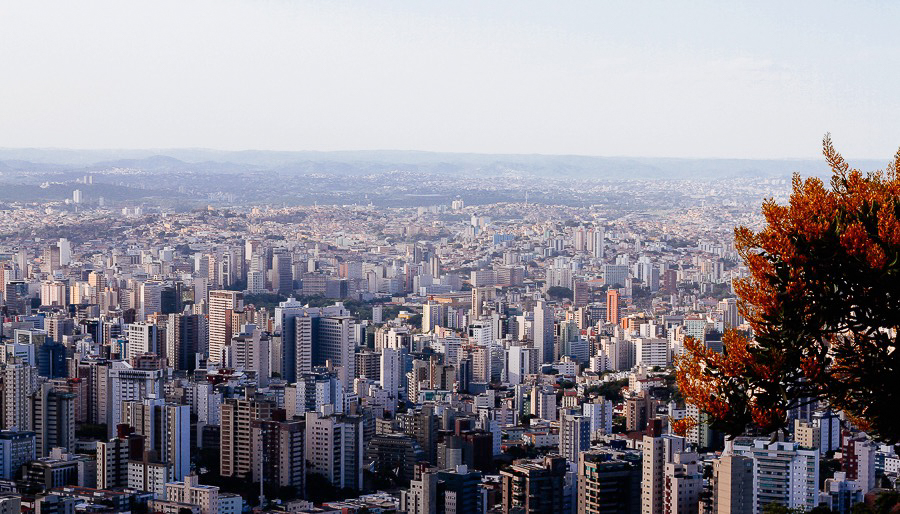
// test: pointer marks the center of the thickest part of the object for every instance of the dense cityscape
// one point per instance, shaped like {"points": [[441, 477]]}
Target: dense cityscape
{"points": [[459, 357], [417, 257]]}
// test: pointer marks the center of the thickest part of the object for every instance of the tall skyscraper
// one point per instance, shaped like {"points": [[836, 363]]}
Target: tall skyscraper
{"points": [[574, 434], [732, 485], [53, 413], [113, 456], [278, 453], [166, 430], [683, 484], [18, 382], [599, 242], [125, 383], [334, 346], [221, 306], [150, 298], [612, 306], [142, 338], [658, 451], [432, 316], [581, 293], [17, 448], [50, 259], [249, 351], [334, 448], [237, 416], [543, 325], [185, 337], [282, 272], [391, 374]]}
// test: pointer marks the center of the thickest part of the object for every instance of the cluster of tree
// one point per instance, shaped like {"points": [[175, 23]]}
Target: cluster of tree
{"points": [[823, 300], [610, 390]]}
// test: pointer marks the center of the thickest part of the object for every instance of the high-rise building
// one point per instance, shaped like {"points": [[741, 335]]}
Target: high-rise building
{"points": [[395, 453], [16, 449], [256, 282], [150, 299], [543, 325], [54, 293], [221, 306], [125, 383], [391, 373], [301, 332], [599, 242], [278, 453], [295, 323], [334, 346], [652, 352], [282, 273], [599, 412], [11, 503], [185, 337], [581, 293], [519, 361], [18, 382], [732, 485], [858, 459], [97, 283], [640, 409], [731, 318], [658, 450], [574, 434], [166, 429], [612, 306], [607, 484], [683, 484], [113, 456], [480, 295], [432, 316], [237, 416], [450, 491], [334, 448], [143, 337], [790, 474], [50, 259], [148, 474], [53, 422], [422, 425], [615, 275], [249, 351], [534, 487]]}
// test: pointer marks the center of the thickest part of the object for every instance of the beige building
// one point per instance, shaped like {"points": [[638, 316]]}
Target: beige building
{"points": [[658, 450], [237, 416], [193, 493], [278, 452], [806, 434], [733, 485]]}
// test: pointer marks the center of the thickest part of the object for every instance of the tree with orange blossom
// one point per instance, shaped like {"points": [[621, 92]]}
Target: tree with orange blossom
{"points": [[823, 301]]}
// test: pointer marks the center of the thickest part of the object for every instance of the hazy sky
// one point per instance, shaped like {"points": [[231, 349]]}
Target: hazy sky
{"points": [[682, 79]]}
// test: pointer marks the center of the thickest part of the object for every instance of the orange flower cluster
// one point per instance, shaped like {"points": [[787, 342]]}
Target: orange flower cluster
{"points": [[683, 426]]}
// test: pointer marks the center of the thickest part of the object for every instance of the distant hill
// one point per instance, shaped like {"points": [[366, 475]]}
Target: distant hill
{"points": [[369, 162]]}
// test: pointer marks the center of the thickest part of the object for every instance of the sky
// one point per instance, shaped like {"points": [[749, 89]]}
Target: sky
{"points": [[654, 79]]}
